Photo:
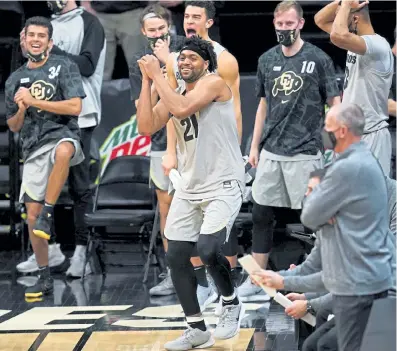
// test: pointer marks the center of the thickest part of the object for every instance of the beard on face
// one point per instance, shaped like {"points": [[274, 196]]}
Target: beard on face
{"points": [[194, 76]]}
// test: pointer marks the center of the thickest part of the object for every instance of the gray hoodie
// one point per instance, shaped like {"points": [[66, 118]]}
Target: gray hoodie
{"points": [[80, 36]]}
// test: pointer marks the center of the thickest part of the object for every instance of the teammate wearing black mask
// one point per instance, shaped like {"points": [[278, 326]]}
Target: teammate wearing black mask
{"points": [[57, 6], [155, 26], [295, 80]]}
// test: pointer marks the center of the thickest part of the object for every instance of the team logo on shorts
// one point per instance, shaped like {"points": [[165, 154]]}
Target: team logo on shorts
{"points": [[288, 82], [42, 90]]}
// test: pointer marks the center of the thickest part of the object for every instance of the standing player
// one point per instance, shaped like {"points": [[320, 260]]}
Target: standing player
{"points": [[294, 82], [369, 69], [155, 23], [198, 19], [209, 197], [78, 35], [45, 114]]}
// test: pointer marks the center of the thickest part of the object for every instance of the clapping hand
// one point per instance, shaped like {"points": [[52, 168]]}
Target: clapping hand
{"points": [[150, 65]]}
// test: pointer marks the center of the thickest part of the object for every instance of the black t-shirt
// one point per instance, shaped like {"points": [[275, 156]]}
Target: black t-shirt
{"points": [[296, 90], [57, 80], [159, 139]]}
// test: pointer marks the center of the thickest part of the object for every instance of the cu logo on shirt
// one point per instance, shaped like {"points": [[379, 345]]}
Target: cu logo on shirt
{"points": [[289, 82], [42, 90]]}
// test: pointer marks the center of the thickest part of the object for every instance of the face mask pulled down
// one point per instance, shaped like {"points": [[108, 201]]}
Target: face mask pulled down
{"points": [[286, 37], [37, 57]]}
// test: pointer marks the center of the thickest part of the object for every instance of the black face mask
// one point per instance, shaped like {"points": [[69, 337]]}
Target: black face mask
{"points": [[153, 41], [329, 140], [286, 37], [57, 6], [37, 57]]}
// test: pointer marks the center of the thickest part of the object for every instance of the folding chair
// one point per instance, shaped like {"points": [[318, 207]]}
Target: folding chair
{"points": [[123, 199]]}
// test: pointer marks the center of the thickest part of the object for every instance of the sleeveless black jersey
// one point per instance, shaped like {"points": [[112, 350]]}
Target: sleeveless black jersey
{"points": [[58, 79], [296, 89]]}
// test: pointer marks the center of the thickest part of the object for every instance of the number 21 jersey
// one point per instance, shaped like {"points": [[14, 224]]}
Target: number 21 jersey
{"points": [[209, 155]]}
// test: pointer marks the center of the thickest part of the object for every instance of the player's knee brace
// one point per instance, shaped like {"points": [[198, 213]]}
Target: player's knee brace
{"points": [[179, 253], [209, 246], [209, 249], [262, 232], [182, 275]]}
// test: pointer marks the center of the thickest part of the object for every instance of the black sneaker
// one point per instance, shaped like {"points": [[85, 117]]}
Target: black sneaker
{"points": [[44, 286], [43, 225]]}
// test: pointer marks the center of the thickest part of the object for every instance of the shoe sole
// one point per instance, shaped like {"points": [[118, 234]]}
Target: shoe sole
{"points": [[41, 234], [33, 299], [35, 269], [28, 270], [240, 318], [33, 295], [38, 294], [207, 344]]}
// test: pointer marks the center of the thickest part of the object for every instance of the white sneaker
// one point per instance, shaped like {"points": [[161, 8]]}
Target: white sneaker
{"points": [[55, 255], [249, 292], [77, 263], [164, 288], [191, 339], [28, 266], [229, 321], [27, 280], [206, 296], [55, 258], [219, 305]]}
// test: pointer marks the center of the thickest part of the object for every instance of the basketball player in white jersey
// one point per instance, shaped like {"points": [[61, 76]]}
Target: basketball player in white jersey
{"points": [[369, 69], [209, 195], [199, 17]]}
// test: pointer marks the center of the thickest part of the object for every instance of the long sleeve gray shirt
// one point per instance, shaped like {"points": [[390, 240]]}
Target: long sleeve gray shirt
{"points": [[356, 251]]}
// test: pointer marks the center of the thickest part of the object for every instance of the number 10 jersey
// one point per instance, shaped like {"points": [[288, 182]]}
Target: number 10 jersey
{"points": [[209, 155]]}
